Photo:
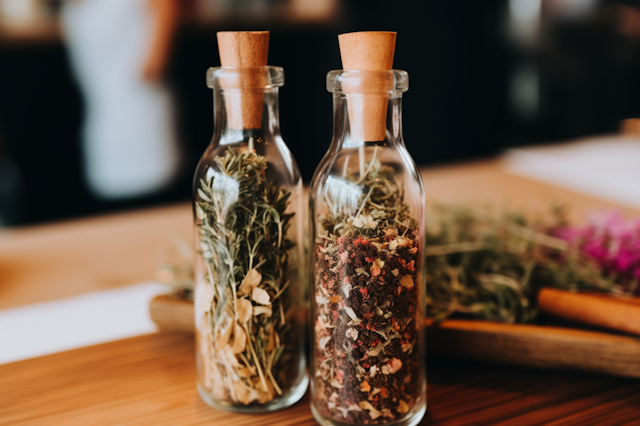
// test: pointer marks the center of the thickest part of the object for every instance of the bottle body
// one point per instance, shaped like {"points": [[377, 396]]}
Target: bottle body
{"points": [[249, 298], [368, 290]]}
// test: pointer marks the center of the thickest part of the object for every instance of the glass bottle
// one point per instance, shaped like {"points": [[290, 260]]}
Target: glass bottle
{"points": [[367, 211], [250, 316]]}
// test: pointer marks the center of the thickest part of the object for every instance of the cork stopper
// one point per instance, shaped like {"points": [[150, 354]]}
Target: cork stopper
{"points": [[244, 49], [368, 51]]}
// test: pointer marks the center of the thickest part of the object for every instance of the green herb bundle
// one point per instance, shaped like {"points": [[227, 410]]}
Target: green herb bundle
{"points": [[491, 266]]}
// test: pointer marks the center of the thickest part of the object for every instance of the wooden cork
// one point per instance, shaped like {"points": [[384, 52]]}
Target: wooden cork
{"points": [[244, 49], [368, 51]]}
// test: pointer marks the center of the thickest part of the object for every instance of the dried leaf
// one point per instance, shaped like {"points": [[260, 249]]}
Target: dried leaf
{"points": [[336, 384], [259, 310], [239, 339], [224, 333], [352, 333], [245, 310], [250, 282], [373, 413], [350, 312], [260, 296], [227, 356], [245, 394], [407, 282]]}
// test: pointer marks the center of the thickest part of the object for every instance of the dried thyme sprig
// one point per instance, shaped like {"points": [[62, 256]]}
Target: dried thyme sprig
{"points": [[491, 266], [243, 225]]}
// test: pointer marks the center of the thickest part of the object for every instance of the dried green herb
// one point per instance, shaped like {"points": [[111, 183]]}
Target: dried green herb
{"points": [[491, 266], [366, 289], [244, 301]]}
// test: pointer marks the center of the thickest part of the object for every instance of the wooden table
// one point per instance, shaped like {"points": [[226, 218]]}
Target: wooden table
{"points": [[149, 380]]}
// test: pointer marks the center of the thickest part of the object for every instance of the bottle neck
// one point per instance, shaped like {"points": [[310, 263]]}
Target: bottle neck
{"points": [[245, 114], [367, 119]]}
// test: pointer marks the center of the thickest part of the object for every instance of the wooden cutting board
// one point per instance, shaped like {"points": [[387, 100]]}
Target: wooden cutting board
{"points": [[518, 344]]}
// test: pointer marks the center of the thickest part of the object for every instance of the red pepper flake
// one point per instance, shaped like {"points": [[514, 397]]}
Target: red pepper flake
{"points": [[384, 392], [369, 259], [364, 291], [395, 325], [375, 343], [366, 365], [335, 314], [410, 266]]}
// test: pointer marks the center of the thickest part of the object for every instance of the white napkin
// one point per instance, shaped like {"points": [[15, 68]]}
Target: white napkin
{"points": [[605, 167], [88, 319]]}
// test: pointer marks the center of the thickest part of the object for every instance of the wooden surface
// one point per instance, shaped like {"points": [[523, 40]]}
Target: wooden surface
{"points": [[538, 346], [65, 259], [149, 380]]}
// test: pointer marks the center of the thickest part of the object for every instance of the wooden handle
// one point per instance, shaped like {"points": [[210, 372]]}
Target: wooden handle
{"points": [[172, 314], [601, 311], [537, 346]]}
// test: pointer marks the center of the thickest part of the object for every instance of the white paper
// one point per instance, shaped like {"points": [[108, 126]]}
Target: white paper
{"points": [[607, 167], [88, 319]]}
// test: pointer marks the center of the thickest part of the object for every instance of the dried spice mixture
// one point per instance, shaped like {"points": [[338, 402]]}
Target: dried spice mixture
{"points": [[367, 291]]}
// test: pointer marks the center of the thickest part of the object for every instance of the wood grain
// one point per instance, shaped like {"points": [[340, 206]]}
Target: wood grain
{"points": [[537, 346], [150, 380]]}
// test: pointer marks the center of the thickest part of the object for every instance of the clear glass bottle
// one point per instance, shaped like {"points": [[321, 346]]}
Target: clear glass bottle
{"points": [[250, 312], [367, 211]]}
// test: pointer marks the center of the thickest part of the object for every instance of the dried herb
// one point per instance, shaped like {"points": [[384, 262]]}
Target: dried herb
{"points": [[176, 268], [491, 266], [367, 287], [243, 304]]}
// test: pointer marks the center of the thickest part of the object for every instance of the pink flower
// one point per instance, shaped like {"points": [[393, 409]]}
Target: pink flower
{"points": [[612, 241]]}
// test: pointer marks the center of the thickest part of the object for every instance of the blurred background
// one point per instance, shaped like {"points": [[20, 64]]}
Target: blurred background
{"points": [[484, 76]]}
